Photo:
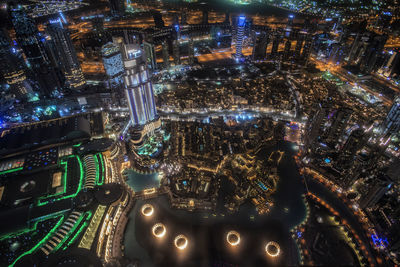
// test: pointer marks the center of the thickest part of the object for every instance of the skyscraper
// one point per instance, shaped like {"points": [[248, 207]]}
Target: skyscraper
{"points": [[286, 52], [348, 153], [113, 65], [117, 7], [11, 68], [239, 36], [377, 190], [191, 51], [307, 48], [138, 87], [275, 45], [392, 122], [176, 52], [28, 36], [150, 54], [65, 54], [165, 54], [299, 45], [260, 43], [205, 17], [32, 43]]}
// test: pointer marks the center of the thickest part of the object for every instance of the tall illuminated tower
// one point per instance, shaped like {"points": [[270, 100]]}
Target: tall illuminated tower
{"points": [[239, 36], [392, 122], [138, 87], [65, 55]]}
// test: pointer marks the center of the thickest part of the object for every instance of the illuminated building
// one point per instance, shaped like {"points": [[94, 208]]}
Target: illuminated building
{"points": [[390, 62], [112, 61], [28, 36], [307, 48], [377, 190], [191, 51], [32, 43], [138, 87], [117, 7], [12, 70], [275, 44], [165, 54], [150, 54], [239, 36], [176, 52], [286, 52], [339, 120], [349, 151], [65, 55], [299, 44], [391, 124], [372, 51]]}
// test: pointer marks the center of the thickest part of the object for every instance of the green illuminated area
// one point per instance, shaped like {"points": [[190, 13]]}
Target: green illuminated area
{"points": [[100, 176], [332, 78], [11, 171], [73, 234], [151, 146], [16, 245], [68, 180]]}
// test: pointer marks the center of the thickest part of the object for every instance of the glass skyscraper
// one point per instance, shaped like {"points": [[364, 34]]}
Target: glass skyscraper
{"points": [[65, 55], [138, 87], [239, 36]]}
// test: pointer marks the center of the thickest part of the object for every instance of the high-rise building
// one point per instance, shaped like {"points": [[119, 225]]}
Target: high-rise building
{"points": [[183, 18], [372, 52], [165, 54], [205, 17], [32, 43], [11, 68], [299, 45], [191, 51], [339, 120], [239, 36], [286, 51], [391, 124], [117, 7], [28, 37], [307, 48], [275, 45], [138, 87], [389, 64], [353, 144], [175, 52], [158, 20], [260, 43], [113, 64], [65, 54], [150, 54], [377, 190], [314, 124]]}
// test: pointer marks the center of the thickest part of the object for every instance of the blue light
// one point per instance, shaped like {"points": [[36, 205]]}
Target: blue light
{"points": [[291, 16], [241, 21], [176, 26], [63, 18], [219, 34], [299, 234], [328, 19], [327, 160]]}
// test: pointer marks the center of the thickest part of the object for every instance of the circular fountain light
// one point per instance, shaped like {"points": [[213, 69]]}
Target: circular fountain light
{"points": [[147, 210], [272, 248], [233, 238], [181, 242], [159, 230]]}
